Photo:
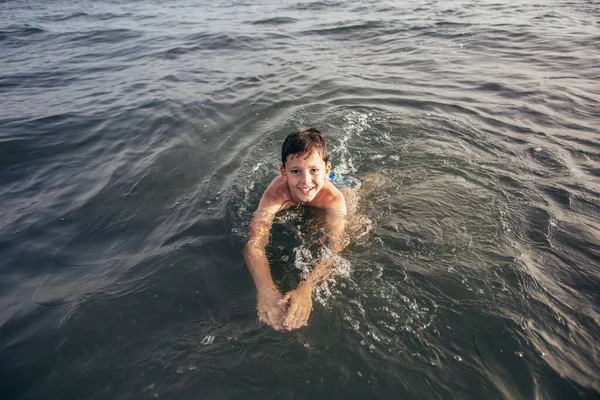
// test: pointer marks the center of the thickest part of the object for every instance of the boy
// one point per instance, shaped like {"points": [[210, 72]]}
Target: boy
{"points": [[303, 180]]}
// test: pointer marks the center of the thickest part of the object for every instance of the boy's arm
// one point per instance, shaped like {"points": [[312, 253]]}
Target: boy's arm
{"points": [[270, 308], [300, 299]]}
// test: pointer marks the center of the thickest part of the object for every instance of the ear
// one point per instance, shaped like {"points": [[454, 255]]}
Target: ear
{"points": [[282, 172], [327, 169]]}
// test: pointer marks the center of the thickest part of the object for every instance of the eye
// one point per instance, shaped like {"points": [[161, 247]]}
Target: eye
{"points": [[315, 170], [294, 171]]}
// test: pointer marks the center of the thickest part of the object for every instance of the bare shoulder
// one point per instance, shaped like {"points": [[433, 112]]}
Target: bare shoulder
{"points": [[276, 197], [331, 199]]}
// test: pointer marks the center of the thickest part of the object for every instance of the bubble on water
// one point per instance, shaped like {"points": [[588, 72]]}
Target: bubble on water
{"points": [[208, 340], [303, 260], [256, 167], [458, 358], [355, 325], [374, 336]]}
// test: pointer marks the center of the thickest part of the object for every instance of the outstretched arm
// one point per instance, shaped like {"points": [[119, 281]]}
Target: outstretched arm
{"points": [[270, 307], [300, 299]]}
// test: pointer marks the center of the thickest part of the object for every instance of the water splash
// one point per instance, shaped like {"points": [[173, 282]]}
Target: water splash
{"points": [[355, 124]]}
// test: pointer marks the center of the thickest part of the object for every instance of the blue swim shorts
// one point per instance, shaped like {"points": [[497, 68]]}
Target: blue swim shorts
{"points": [[340, 181]]}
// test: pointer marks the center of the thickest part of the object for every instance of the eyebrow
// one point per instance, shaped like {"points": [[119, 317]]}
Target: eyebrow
{"points": [[309, 167]]}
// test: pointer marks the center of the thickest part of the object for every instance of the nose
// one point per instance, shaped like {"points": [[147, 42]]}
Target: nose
{"points": [[306, 178]]}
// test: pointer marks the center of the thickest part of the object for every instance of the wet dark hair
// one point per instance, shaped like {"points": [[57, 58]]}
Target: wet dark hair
{"points": [[304, 142]]}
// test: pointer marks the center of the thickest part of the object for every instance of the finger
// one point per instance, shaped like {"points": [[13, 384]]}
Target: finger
{"points": [[276, 326], [270, 322], [297, 321], [285, 298], [306, 317], [303, 320], [274, 321], [289, 319], [262, 317]]}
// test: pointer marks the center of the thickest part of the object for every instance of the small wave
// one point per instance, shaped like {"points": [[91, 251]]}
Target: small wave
{"points": [[106, 36], [275, 21], [505, 90], [347, 29], [549, 162], [317, 5], [16, 31], [218, 41], [65, 17], [453, 24]]}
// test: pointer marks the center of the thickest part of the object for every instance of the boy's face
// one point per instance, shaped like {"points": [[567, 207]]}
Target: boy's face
{"points": [[305, 176]]}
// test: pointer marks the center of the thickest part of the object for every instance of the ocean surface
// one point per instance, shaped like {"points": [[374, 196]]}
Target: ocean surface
{"points": [[136, 138]]}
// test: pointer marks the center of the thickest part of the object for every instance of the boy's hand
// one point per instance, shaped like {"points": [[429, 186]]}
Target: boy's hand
{"points": [[271, 309], [300, 305]]}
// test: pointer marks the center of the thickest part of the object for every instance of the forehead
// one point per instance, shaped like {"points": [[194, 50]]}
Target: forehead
{"points": [[299, 159]]}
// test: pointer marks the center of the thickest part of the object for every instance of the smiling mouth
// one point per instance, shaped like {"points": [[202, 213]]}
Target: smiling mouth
{"points": [[306, 190]]}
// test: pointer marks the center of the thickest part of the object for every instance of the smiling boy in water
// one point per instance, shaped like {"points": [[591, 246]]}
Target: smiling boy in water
{"points": [[303, 180]]}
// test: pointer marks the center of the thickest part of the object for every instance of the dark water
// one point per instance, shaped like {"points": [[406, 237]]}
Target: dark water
{"points": [[137, 137]]}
